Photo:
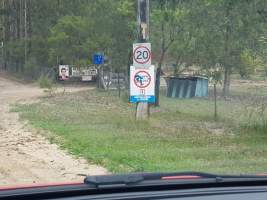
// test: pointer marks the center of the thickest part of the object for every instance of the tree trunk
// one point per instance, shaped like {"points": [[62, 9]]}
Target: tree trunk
{"points": [[157, 85], [164, 48], [30, 25], [226, 82], [227, 64], [3, 35], [215, 101], [25, 35], [176, 69], [119, 87], [158, 72], [127, 77]]}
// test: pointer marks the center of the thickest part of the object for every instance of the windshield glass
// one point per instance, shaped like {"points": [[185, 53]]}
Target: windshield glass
{"points": [[95, 87]]}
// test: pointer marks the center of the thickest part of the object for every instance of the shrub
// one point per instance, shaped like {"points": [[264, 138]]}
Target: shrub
{"points": [[45, 82]]}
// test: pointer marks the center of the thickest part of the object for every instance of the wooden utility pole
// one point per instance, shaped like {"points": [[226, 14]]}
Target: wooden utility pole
{"points": [[142, 108]]}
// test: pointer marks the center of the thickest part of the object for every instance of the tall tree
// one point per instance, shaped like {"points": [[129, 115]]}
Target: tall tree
{"points": [[224, 29], [166, 18]]}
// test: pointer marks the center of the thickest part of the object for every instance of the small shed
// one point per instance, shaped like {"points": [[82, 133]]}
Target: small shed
{"points": [[187, 86]]}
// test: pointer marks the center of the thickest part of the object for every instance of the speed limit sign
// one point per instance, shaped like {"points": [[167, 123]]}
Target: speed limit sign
{"points": [[142, 55]]}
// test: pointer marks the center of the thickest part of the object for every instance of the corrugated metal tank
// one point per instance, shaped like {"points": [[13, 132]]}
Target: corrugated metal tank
{"points": [[187, 87]]}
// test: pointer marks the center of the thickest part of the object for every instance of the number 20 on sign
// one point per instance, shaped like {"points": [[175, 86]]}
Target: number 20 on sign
{"points": [[142, 55]]}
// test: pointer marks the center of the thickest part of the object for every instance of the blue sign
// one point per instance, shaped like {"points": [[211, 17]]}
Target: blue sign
{"points": [[145, 98], [98, 59]]}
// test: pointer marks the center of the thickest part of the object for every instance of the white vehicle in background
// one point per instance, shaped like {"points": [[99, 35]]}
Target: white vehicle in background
{"points": [[68, 72]]}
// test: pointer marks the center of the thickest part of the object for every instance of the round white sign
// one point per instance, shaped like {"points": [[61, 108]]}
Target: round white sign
{"points": [[141, 55]]}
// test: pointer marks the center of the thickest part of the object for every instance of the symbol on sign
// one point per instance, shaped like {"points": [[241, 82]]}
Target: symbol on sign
{"points": [[142, 54], [142, 84], [98, 59], [142, 79], [142, 91]]}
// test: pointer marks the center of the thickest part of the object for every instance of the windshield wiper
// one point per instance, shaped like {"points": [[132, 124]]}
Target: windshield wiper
{"points": [[118, 180], [182, 179]]}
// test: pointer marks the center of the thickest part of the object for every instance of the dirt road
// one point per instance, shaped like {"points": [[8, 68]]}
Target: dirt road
{"points": [[25, 156]]}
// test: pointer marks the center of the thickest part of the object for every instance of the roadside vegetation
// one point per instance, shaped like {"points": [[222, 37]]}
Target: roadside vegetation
{"points": [[225, 38], [181, 135], [37, 36]]}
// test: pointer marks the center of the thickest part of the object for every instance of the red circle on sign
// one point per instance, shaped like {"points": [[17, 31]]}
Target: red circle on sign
{"points": [[148, 57], [139, 83]]}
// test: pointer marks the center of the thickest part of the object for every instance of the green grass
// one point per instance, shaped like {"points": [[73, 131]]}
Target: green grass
{"points": [[181, 135], [255, 77]]}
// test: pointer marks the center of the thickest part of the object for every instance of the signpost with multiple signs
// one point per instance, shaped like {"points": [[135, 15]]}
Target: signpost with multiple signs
{"points": [[142, 76], [142, 83]]}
